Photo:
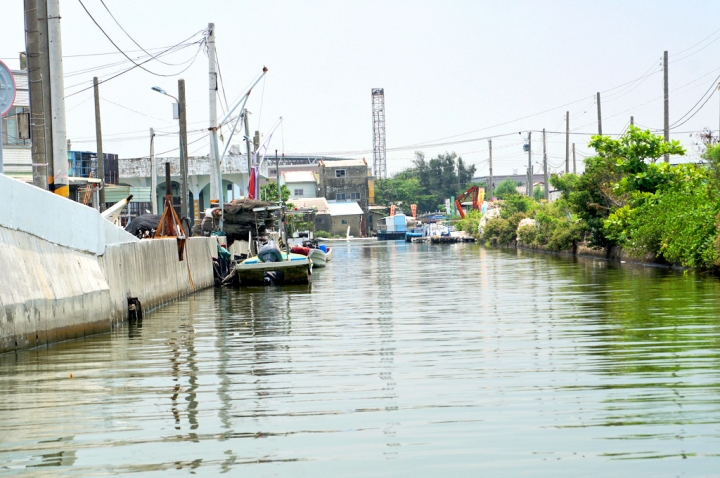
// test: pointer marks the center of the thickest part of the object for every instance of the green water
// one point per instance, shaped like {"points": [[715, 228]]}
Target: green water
{"points": [[399, 360]]}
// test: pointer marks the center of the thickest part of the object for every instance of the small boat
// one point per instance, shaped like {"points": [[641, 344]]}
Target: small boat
{"points": [[319, 255], [304, 242], [271, 266]]}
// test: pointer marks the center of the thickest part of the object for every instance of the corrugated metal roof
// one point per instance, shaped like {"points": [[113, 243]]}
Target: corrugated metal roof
{"points": [[118, 193], [345, 209], [320, 204]]}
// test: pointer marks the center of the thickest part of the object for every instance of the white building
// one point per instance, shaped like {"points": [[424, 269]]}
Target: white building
{"points": [[302, 184], [135, 172], [17, 155]]}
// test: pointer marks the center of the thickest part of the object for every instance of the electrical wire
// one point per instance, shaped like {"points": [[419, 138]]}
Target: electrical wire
{"points": [[132, 68], [138, 65], [128, 35], [709, 90]]}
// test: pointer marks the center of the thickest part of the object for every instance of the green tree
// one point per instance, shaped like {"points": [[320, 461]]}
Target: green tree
{"points": [[269, 193], [505, 188], [620, 167]]}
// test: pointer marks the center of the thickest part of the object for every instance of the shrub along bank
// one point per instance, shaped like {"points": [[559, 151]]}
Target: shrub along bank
{"points": [[626, 197]]}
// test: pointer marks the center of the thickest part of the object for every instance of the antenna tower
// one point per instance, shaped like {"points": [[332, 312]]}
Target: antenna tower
{"points": [[378, 111]]}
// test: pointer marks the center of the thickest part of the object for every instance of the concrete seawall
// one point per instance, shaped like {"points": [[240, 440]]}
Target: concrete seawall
{"points": [[65, 272]]}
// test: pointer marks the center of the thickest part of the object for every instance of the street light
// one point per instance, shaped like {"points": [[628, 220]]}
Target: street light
{"points": [[179, 113]]}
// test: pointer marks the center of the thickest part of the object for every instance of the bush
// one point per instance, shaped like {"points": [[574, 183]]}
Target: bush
{"points": [[470, 223], [528, 234], [323, 234], [502, 231]]}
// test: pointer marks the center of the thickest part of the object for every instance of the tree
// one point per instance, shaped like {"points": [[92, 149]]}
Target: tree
{"points": [[505, 188], [620, 168], [427, 183], [269, 193]]}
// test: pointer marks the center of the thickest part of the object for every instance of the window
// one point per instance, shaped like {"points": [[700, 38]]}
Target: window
{"points": [[339, 173], [272, 171], [340, 196], [11, 131], [354, 196], [343, 221], [298, 192]]}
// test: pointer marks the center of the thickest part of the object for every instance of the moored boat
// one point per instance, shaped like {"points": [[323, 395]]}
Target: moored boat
{"points": [[273, 267]]}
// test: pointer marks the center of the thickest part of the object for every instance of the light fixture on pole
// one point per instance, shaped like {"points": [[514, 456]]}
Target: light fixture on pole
{"points": [[177, 113]]}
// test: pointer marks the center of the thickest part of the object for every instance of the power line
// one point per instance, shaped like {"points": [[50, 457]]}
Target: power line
{"points": [[138, 65]]}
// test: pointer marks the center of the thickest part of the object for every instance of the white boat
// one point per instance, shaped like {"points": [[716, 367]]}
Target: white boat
{"points": [[319, 257], [291, 269]]}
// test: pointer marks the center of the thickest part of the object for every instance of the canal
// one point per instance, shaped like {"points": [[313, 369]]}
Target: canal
{"points": [[399, 360]]}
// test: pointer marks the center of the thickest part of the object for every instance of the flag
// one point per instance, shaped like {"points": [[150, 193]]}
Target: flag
{"points": [[251, 185]]}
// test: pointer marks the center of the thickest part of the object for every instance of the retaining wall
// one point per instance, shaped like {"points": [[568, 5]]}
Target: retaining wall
{"points": [[65, 272]]}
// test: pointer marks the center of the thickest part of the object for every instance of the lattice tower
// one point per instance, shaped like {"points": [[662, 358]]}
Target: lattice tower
{"points": [[378, 111]]}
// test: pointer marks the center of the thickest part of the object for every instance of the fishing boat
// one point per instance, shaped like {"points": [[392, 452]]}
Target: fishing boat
{"points": [[320, 255], [270, 265]]}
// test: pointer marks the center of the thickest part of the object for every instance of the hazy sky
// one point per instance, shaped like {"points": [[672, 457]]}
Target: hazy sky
{"points": [[454, 72]]}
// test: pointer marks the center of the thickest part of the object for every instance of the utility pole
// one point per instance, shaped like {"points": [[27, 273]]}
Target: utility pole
{"points": [[574, 165], [666, 102], [490, 186], [632, 121], [57, 99], [183, 150], [33, 49], [100, 156], [212, 97], [599, 115], [545, 169], [153, 173], [567, 142], [528, 191]]}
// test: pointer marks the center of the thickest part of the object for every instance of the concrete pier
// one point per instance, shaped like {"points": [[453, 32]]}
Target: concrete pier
{"points": [[66, 272]]}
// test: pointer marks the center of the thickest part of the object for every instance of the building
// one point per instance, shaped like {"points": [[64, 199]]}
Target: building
{"points": [[323, 220], [346, 217], [302, 184], [294, 163], [135, 172], [345, 180], [17, 156]]}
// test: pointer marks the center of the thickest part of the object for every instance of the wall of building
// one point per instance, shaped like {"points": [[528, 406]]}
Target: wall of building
{"points": [[355, 181], [353, 221], [309, 190]]}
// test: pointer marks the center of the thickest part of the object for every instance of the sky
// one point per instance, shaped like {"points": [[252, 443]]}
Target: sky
{"points": [[455, 73]]}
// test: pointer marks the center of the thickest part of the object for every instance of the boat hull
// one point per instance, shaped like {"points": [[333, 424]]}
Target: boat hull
{"points": [[297, 270], [320, 258]]}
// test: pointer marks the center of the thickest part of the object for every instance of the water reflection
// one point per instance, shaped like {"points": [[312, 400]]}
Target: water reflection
{"points": [[400, 359]]}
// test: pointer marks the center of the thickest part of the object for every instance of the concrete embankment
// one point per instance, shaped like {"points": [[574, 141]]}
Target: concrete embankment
{"points": [[66, 272]]}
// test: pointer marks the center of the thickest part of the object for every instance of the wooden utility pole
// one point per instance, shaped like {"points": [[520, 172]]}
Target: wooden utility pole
{"points": [[567, 142], [545, 170], [666, 102], [100, 156], [35, 50], [632, 121], [490, 186], [529, 170], [574, 166], [599, 115], [183, 150]]}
